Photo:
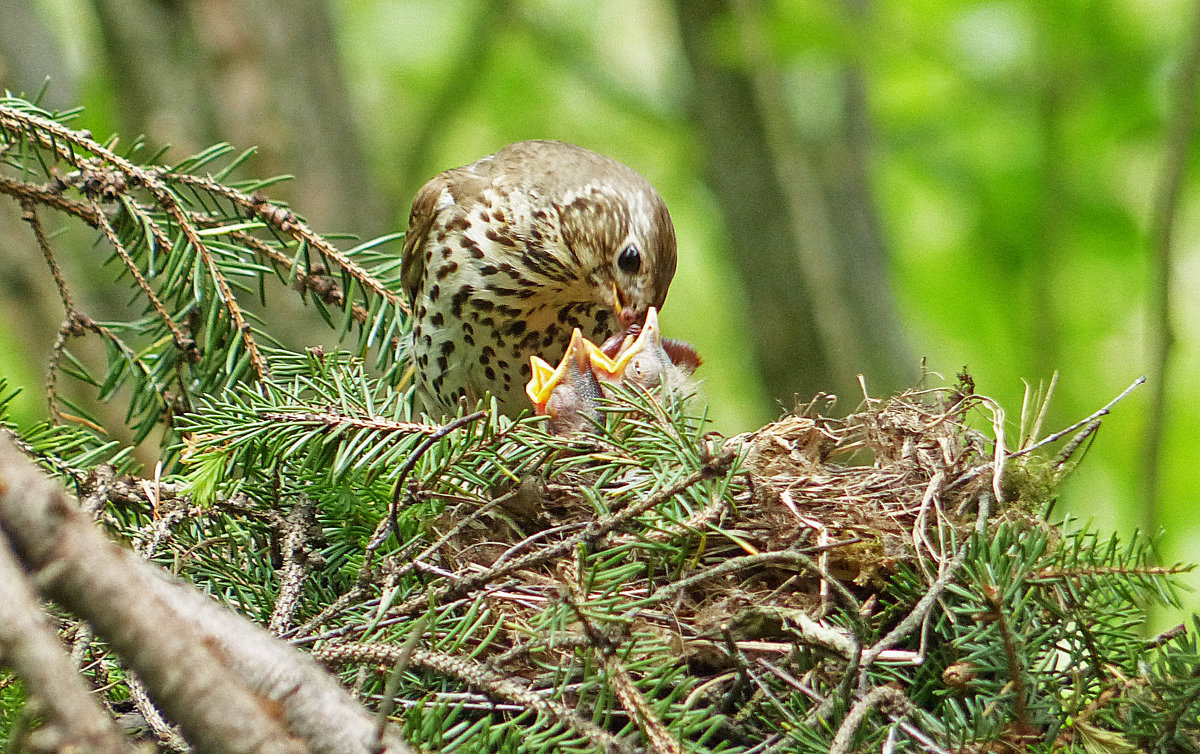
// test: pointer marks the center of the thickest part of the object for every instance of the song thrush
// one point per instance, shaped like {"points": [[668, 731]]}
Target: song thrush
{"points": [[505, 257]]}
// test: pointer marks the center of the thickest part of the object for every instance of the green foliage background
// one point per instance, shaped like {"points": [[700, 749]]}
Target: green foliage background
{"points": [[1016, 150]]}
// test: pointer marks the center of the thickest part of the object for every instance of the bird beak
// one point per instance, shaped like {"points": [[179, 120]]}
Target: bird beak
{"points": [[621, 306], [585, 368], [613, 369], [541, 383], [545, 377]]}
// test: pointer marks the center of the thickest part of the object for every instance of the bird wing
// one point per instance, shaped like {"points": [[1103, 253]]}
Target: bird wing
{"points": [[420, 221], [453, 191]]}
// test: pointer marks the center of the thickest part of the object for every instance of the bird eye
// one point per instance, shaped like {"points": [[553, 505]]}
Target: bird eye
{"points": [[630, 260]]}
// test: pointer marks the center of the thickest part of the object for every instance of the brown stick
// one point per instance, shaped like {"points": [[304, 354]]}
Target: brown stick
{"points": [[227, 683], [74, 721]]}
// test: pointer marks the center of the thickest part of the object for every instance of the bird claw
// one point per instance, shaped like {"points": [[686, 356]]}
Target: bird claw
{"points": [[568, 393]]}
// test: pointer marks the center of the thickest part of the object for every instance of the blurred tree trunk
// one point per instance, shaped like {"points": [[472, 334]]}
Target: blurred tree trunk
{"points": [[803, 225], [30, 54], [255, 74]]}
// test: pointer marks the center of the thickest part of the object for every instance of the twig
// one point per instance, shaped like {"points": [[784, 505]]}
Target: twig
{"points": [[660, 738], [917, 734], [167, 735], [977, 470], [182, 342], [1073, 444], [476, 676], [1016, 674], [296, 556], [1087, 420], [1166, 636], [854, 718], [322, 285], [222, 679], [394, 509], [392, 687], [48, 195], [595, 529], [70, 325], [29, 215], [923, 606], [74, 720], [75, 325]]}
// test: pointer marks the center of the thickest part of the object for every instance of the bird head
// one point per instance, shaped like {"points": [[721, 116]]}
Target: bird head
{"points": [[615, 243], [622, 231], [566, 393]]}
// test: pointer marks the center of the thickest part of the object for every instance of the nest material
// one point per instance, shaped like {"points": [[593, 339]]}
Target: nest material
{"points": [[854, 498]]}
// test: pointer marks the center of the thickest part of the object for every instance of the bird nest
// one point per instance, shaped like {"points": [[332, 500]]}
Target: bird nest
{"points": [[804, 515]]}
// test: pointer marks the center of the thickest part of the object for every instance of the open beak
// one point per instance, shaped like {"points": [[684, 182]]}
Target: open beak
{"points": [[613, 369], [583, 360], [545, 378], [568, 393], [541, 383]]}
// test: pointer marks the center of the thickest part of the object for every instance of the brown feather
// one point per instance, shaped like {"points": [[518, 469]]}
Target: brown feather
{"points": [[505, 256]]}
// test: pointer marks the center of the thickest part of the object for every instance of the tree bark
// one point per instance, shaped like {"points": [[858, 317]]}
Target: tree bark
{"points": [[229, 684]]}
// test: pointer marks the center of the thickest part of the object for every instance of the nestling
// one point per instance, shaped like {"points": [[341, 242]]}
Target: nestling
{"points": [[505, 257], [569, 394]]}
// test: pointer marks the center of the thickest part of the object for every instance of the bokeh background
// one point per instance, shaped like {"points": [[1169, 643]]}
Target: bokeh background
{"points": [[857, 186]]}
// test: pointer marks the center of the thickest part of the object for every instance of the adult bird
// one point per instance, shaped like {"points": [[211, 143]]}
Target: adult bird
{"points": [[505, 257]]}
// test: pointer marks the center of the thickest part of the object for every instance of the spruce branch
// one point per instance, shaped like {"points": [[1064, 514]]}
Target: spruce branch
{"points": [[407, 468], [97, 181], [297, 556], [184, 240], [286, 221], [590, 534], [876, 697], [49, 195], [182, 342], [305, 279], [608, 655], [476, 676]]}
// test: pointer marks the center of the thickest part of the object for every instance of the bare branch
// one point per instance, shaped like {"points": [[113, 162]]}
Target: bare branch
{"points": [[227, 683], [74, 721]]}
